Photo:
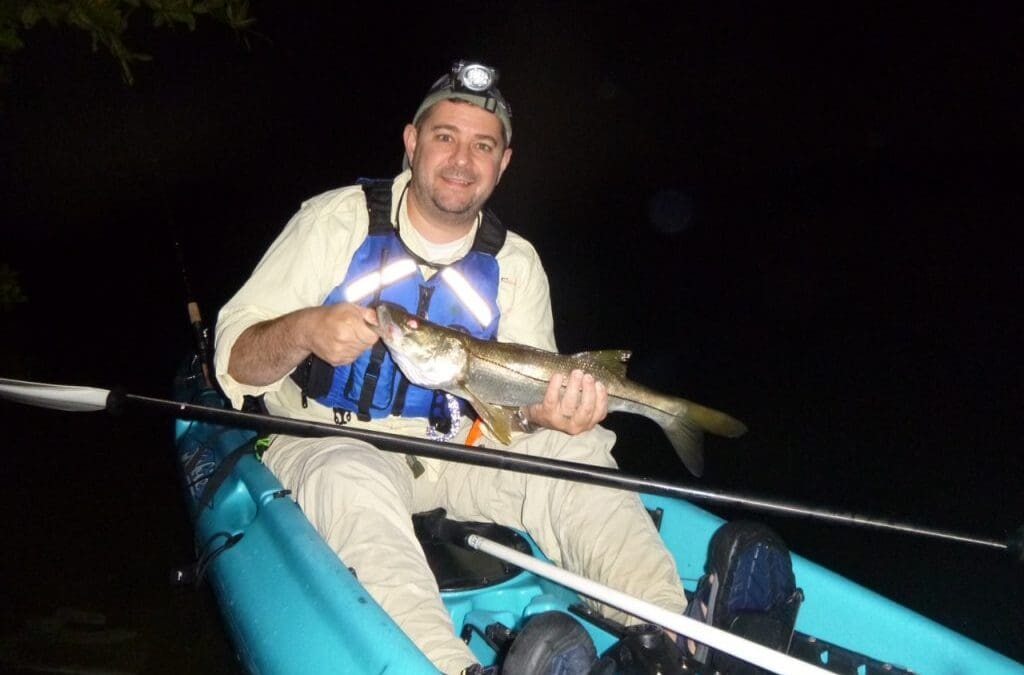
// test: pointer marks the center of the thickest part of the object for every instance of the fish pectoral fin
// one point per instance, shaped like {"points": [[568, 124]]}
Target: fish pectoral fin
{"points": [[496, 417], [612, 360]]}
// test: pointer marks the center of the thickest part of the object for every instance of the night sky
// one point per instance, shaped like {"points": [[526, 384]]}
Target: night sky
{"points": [[801, 216]]}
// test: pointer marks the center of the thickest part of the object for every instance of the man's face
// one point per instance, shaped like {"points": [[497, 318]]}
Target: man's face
{"points": [[457, 156]]}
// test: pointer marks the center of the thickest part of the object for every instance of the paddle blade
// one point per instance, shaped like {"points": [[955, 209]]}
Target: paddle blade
{"points": [[56, 396]]}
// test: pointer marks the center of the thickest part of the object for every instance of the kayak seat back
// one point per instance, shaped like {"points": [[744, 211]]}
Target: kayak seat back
{"points": [[457, 567]]}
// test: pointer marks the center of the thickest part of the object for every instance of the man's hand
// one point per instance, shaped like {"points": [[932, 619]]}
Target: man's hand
{"points": [[572, 404], [267, 351], [338, 334]]}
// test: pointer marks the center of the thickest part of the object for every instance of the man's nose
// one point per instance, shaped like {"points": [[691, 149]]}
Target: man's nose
{"points": [[460, 155]]}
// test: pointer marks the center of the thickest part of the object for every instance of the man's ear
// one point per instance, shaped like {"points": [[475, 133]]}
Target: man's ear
{"points": [[409, 136], [506, 157]]}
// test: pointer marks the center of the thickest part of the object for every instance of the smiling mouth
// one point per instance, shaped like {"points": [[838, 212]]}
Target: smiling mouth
{"points": [[461, 181]]}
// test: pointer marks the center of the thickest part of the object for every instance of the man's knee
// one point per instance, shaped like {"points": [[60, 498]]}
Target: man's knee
{"points": [[352, 462], [591, 447], [335, 477]]}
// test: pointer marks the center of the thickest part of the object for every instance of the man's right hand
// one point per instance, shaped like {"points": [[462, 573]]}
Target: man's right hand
{"points": [[338, 334], [267, 351]]}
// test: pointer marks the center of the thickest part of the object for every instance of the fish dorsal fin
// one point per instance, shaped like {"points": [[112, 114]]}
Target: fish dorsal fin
{"points": [[497, 418], [612, 360]]}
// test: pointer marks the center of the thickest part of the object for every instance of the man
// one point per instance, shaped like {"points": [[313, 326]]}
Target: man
{"points": [[300, 332]]}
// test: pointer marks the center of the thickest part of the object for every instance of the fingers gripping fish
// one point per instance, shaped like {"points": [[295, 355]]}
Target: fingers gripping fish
{"points": [[496, 378]]}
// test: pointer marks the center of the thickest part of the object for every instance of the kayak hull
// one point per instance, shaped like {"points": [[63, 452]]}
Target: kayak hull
{"points": [[291, 606]]}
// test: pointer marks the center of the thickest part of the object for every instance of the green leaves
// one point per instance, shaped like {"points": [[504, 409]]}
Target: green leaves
{"points": [[107, 21], [171, 12]]}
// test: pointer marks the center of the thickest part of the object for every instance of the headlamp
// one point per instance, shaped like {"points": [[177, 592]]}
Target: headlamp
{"points": [[474, 76], [474, 83]]}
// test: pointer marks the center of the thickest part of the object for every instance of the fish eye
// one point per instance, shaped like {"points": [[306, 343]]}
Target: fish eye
{"points": [[412, 323]]}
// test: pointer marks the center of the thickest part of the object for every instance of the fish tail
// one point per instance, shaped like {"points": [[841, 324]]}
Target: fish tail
{"points": [[714, 421], [685, 426], [687, 439]]}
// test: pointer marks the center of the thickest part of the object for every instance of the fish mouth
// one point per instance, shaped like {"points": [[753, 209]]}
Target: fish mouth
{"points": [[389, 334], [384, 322], [387, 328]]}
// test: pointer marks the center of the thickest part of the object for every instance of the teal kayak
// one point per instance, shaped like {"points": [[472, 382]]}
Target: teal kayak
{"points": [[291, 605]]}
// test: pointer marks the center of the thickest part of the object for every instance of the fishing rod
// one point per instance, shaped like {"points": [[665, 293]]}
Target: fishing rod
{"points": [[200, 333], [79, 398]]}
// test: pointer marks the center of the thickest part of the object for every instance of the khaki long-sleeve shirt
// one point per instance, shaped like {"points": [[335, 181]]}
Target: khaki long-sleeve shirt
{"points": [[310, 258]]}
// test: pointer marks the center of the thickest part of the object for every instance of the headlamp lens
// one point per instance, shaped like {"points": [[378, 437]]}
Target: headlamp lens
{"points": [[476, 77]]}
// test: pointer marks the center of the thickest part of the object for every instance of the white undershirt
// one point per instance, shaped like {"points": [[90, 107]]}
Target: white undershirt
{"points": [[441, 252]]}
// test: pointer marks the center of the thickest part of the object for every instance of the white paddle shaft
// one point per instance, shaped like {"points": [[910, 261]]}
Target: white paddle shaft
{"points": [[57, 396], [716, 638]]}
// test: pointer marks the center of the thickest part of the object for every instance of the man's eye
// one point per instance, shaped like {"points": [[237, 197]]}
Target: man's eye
{"points": [[484, 147]]}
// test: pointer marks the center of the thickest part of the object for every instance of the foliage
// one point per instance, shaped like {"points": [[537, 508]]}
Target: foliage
{"points": [[108, 21]]}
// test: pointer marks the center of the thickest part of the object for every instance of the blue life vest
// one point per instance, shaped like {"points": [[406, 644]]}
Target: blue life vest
{"points": [[461, 295]]}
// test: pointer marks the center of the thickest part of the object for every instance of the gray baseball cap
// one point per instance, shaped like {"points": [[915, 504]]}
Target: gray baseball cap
{"points": [[473, 82]]}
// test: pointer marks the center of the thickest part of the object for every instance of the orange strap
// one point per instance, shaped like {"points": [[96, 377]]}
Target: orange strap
{"points": [[475, 433]]}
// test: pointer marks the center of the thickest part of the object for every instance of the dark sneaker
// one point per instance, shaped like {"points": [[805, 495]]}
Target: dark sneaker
{"points": [[551, 643], [749, 590]]}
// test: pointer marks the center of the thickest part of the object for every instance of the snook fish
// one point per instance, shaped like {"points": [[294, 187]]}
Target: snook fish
{"points": [[498, 377]]}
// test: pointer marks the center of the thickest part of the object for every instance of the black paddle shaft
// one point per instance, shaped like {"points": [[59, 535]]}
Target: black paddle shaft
{"points": [[551, 468]]}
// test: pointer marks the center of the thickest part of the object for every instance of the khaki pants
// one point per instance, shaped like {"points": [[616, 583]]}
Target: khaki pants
{"points": [[360, 500]]}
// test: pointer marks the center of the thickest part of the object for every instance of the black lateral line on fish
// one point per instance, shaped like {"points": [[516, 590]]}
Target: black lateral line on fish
{"points": [[501, 365], [504, 366]]}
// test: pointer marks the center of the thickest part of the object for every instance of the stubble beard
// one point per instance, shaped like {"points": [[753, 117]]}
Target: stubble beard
{"points": [[452, 210]]}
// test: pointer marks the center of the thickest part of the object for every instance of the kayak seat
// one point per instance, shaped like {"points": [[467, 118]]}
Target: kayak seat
{"points": [[456, 566]]}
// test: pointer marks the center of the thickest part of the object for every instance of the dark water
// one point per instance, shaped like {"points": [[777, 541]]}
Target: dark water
{"points": [[805, 221], [95, 523]]}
